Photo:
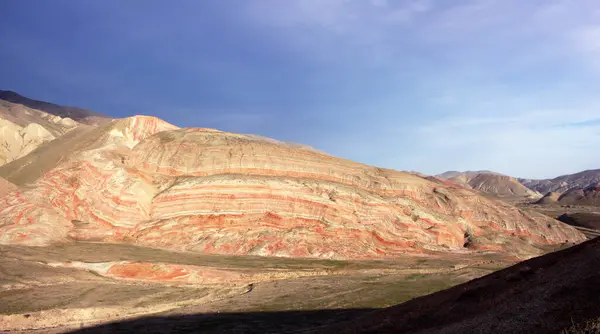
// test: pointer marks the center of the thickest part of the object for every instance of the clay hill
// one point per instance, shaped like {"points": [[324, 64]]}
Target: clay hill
{"points": [[23, 127], [542, 295], [491, 183], [563, 183], [143, 181]]}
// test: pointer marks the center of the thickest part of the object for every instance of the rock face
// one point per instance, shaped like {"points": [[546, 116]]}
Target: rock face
{"points": [[141, 180], [491, 183]]}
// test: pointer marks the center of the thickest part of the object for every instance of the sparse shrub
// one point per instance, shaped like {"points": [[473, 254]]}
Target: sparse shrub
{"points": [[332, 194], [587, 327], [468, 239]]}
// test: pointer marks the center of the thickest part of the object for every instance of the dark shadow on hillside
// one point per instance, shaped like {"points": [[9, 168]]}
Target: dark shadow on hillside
{"points": [[246, 322]]}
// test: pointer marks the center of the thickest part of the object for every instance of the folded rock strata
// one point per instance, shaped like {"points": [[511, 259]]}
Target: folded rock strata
{"points": [[143, 181]]}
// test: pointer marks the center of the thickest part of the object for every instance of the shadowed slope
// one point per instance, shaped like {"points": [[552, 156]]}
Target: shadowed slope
{"points": [[541, 295], [582, 219], [549, 198]]}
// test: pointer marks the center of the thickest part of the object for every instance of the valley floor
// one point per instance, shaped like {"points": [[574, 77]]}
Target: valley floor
{"points": [[76, 285]]}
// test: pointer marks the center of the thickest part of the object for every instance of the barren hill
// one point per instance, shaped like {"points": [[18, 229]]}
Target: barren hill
{"points": [[549, 198], [589, 195], [143, 181], [491, 183]]}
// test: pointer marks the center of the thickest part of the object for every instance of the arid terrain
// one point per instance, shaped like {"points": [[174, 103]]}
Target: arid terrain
{"points": [[60, 288], [548, 294], [113, 220]]}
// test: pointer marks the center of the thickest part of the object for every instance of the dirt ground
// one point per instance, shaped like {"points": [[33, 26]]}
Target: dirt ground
{"points": [[36, 296]]}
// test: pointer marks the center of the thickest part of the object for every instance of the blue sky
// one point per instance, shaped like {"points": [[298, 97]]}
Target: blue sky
{"points": [[507, 85]]}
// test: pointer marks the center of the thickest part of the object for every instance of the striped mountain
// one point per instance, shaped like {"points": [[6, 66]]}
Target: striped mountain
{"points": [[143, 181]]}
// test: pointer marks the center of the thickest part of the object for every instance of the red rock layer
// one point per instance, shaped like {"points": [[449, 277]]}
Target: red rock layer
{"points": [[222, 193]]}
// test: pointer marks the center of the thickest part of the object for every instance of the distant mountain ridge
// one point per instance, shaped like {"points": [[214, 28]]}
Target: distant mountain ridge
{"points": [[78, 114], [571, 189], [491, 183], [564, 182], [452, 173]]}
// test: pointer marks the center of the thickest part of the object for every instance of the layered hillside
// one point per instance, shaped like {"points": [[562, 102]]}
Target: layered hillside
{"points": [[492, 183], [143, 181], [565, 182]]}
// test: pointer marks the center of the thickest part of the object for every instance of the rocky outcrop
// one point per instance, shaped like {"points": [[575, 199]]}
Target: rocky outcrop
{"points": [[141, 180]]}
